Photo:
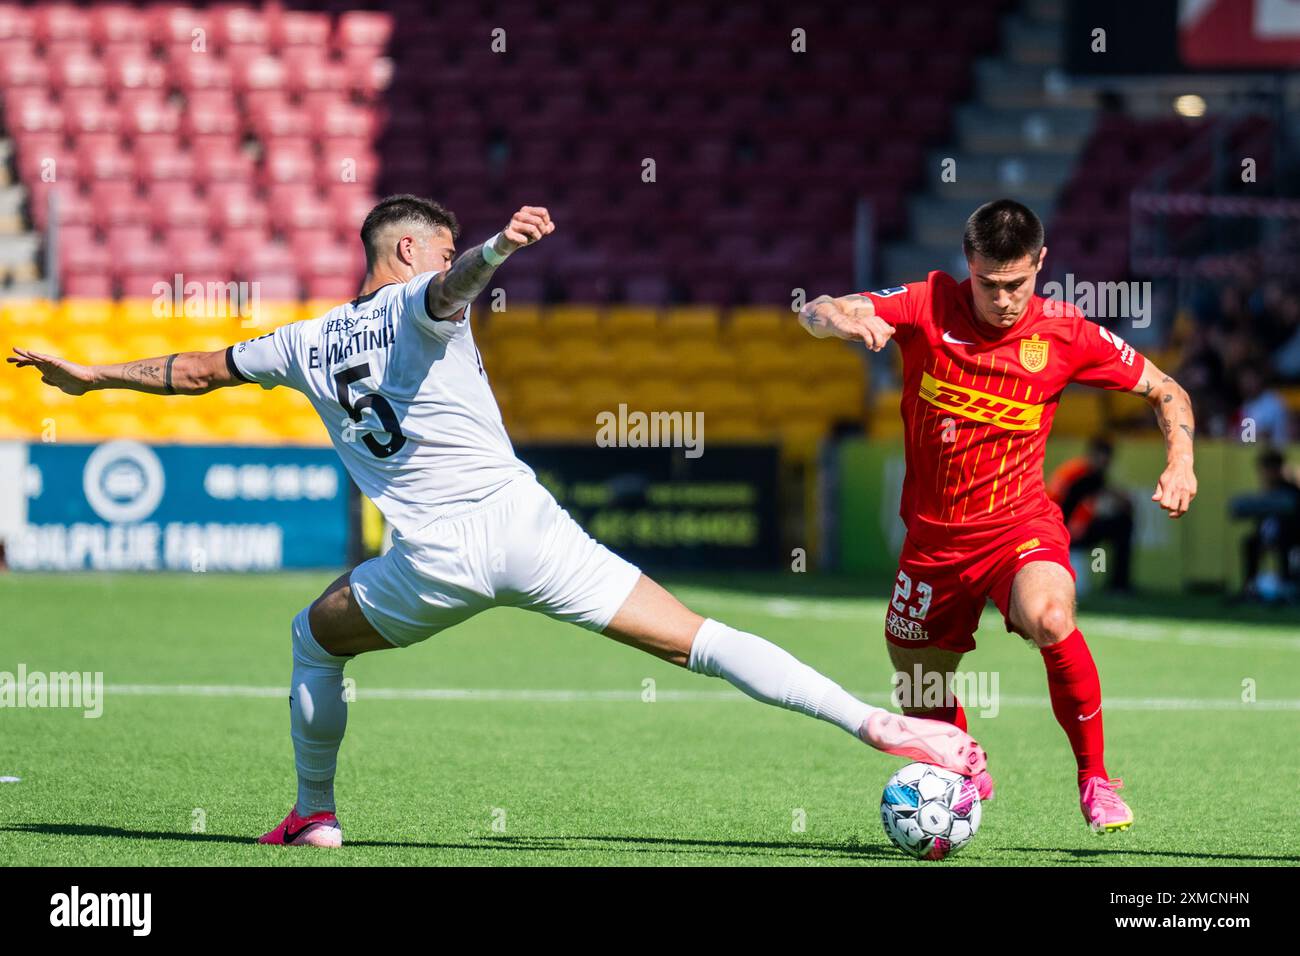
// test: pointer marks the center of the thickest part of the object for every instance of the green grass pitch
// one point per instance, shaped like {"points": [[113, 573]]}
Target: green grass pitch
{"points": [[552, 756]]}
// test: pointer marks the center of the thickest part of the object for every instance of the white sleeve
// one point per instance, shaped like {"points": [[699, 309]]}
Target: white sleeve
{"points": [[415, 303], [269, 360]]}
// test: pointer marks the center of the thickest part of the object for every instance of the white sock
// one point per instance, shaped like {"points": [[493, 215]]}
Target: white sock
{"points": [[318, 715], [767, 673]]}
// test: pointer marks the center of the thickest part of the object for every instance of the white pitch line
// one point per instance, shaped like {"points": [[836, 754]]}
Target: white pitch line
{"points": [[1193, 634], [560, 696]]}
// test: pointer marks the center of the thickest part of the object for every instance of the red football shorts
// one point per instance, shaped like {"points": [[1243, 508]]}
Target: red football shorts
{"points": [[939, 593]]}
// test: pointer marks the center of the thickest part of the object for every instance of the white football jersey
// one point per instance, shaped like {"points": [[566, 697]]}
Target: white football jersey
{"points": [[403, 396]]}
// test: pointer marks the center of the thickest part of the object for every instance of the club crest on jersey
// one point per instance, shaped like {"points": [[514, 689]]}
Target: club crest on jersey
{"points": [[1033, 354]]}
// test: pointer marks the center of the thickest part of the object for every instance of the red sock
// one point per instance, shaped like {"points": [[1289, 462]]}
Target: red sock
{"points": [[952, 715], [1075, 690]]}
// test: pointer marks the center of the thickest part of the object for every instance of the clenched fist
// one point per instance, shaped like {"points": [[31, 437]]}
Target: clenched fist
{"points": [[526, 226], [848, 317], [1176, 488]]}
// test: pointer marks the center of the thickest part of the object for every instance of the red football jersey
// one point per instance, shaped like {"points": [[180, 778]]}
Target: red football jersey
{"points": [[978, 402]]}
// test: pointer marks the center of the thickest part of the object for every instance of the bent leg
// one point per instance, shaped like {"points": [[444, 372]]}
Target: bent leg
{"points": [[338, 624], [1041, 608], [1041, 604], [325, 637]]}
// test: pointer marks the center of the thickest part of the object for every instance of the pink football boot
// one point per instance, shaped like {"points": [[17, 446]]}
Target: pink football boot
{"points": [[984, 784], [1102, 806], [929, 741], [319, 829]]}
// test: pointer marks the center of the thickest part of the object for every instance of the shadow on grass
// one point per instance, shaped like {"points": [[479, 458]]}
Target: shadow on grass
{"points": [[810, 850]]}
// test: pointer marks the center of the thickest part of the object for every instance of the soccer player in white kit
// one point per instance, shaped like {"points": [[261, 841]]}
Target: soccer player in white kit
{"points": [[400, 386]]}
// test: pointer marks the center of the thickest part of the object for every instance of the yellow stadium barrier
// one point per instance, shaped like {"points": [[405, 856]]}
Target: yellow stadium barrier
{"points": [[753, 371]]}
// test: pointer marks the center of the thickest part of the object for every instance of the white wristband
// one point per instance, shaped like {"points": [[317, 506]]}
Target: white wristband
{"points": [[490, 254]]}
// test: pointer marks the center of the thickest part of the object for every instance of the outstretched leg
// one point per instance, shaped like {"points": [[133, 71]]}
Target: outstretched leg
{"points": [[654, 621]]}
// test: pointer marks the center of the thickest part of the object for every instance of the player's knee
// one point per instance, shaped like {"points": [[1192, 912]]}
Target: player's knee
{"points": [[1053, 623], [318, 619]]}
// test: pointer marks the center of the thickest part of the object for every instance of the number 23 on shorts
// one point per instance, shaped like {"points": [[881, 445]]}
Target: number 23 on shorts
{"points": [[903, 589]]}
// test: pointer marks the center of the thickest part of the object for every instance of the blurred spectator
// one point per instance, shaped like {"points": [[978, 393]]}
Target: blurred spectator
{"points": [[1235, 341], [1276, 512], [1093, 510], [1264, 406], [1204, 374], [1286, 361]]}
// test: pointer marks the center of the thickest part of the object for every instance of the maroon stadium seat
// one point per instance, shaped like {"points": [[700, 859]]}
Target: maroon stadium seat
{"points": [[218, 159], [191, 71], [363, 29], [287, 28], [132, 66], [116, 23], [241, 27], [177, 204], [75, 68], [60, 21]]}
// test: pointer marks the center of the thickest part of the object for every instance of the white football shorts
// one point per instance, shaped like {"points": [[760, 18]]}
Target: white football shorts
{"points": [[515, 548]]}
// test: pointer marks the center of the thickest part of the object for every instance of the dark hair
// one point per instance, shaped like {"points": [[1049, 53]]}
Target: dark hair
{"points": [[405, 208], [1100, 443], [1271, 459], [1003, 231]]}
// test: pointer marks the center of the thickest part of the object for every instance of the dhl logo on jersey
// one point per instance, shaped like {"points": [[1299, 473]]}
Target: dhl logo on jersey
{"points": [[981, 406]]}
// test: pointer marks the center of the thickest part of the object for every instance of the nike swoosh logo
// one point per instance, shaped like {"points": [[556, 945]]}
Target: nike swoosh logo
{"points": [[1092, 715], [1029, 552], [293, 835], [289, 837], [947, 337]]}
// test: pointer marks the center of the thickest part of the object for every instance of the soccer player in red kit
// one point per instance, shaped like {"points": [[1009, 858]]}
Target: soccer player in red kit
{"points": [[984, 364]]}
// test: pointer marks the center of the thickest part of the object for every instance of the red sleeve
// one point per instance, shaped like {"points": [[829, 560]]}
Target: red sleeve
{"points": [[1103, 359], [899, 305]]}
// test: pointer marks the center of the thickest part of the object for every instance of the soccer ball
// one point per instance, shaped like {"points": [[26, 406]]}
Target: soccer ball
{"points": [[929, 812]]}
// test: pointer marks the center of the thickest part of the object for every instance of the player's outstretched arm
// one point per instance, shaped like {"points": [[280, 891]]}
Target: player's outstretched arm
{"points": [[1177, 485], [848, 317], [183, 373], [449, 292]]}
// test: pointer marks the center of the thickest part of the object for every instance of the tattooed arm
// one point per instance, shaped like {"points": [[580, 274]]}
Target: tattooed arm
{"points": [[449, 292], [1177, 485], [185, 373], [848, 317]]}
